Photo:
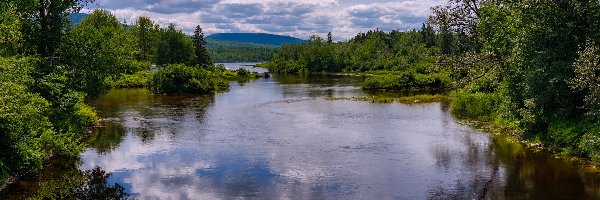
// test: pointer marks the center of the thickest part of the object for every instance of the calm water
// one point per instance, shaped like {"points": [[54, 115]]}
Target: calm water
{"points": [[278, 139]]}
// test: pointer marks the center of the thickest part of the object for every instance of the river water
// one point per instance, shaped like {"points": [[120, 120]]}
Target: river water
{"points": [[279, 139]]}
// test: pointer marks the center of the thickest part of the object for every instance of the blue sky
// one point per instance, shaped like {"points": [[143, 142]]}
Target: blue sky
{"points": [[299, 18]]}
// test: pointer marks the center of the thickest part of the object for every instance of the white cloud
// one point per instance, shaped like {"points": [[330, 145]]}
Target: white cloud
{"points": [[299, 18]]}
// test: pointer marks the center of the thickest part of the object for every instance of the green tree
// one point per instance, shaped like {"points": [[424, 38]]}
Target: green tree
{"points": [[146, 34], [587, 77], [175, 47], [428, 35], [10, 36], [43, 23], [96, 49], [202, 57]]}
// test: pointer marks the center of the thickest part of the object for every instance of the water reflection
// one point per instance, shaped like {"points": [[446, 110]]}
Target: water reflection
{"points": [[61, 179], [274, 139], [277, 139]]}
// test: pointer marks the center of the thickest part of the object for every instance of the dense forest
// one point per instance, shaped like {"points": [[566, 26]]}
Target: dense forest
{"points": [[49, 67], [221, 51], [529, 67], [257, 38]]}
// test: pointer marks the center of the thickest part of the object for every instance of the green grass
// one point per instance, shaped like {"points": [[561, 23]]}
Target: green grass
{"points": [[137, 80], [416, 99]]}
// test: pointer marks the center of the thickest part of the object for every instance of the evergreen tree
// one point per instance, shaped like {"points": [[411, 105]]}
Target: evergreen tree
{"points": [[202, 57], [428, 35], [329, 38]]}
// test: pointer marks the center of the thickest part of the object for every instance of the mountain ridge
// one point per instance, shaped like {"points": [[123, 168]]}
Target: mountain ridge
{"points": [[257, 38]]}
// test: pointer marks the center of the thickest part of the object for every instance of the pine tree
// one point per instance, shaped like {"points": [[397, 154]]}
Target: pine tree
{"points": [[202, 58], [329, 38]]}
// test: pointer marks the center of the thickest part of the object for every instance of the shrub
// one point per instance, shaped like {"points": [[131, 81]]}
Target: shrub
{"points": [[137, 80], [36, 124], [590, 145], [475, 105], [408, 81], [182, 79]]}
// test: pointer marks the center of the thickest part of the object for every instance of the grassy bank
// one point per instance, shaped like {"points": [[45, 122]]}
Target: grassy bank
{"points": [[425, 98]]}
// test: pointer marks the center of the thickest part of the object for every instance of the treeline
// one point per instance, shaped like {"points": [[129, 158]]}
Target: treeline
{"points": [[531, 67], [224, 55], [227, 51], [408, 58], [49, 67]]}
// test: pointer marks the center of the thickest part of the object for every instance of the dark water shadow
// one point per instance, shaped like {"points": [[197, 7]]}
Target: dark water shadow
{"points": [[62, 179]]}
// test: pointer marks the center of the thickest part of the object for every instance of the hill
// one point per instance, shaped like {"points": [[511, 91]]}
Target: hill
{"points": [[227, 51], [212, 43], [76, 18], [258, 38]]}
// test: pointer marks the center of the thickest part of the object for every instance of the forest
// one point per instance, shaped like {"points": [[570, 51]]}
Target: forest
{"points": [[221, 51], [50, 68], [531, 68]]}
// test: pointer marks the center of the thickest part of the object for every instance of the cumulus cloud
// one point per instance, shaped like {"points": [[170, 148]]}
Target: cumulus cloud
{"points": [[299, 18]]}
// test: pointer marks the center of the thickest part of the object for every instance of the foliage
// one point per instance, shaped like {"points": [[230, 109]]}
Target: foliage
{"points": [[10, 35], [475, 105], [96, 49], [32, 127], [587, 77], [409, 81], [221, 51], [181, 79], [202, 57], [227, 55], [146, 34], [174, 47], [137, 80], [374, 50], [43, 23], [531, 63]]}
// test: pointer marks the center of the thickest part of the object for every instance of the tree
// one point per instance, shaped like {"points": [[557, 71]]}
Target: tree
{"points": [[146, 34], [96, 49], [43, 24], [202, 57], [329, 38], [175, 47], [10, 36], [587, 77], [428, 35]]}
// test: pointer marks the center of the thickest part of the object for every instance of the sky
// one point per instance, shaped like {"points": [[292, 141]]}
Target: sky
{"points": [[297, 18]]}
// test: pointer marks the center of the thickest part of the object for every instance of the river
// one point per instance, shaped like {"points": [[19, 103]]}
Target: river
{"points": [[278, 138]]}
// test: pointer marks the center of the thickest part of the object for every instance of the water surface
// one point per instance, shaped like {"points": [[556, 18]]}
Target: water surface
{"points": [[278, 139]]}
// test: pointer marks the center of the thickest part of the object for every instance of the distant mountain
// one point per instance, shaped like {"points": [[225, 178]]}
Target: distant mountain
{"points": [[257, 38], [76, 18], [212, 43]]}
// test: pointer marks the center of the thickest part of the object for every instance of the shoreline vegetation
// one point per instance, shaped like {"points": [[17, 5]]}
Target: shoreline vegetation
{"points": [[540, 84], [49, 69]]}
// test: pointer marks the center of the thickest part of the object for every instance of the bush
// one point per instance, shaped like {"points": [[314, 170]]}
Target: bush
{"points": [[573, 136], [182, 79], [137, 80], [475, 105], [35, 125], [408, 81], [590, 145]]}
